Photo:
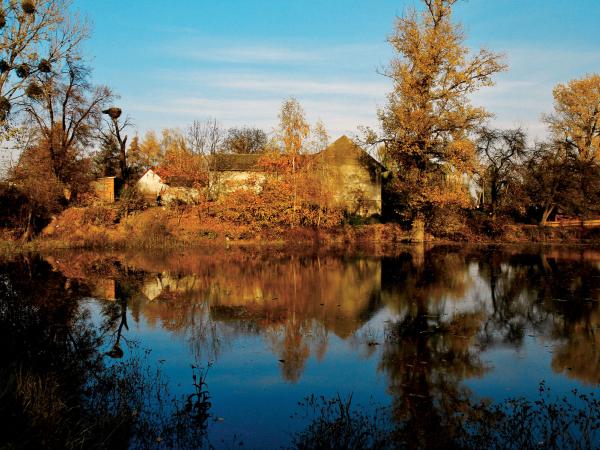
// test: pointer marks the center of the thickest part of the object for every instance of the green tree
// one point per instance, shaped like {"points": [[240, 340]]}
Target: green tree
{"points": [[106, 160]]}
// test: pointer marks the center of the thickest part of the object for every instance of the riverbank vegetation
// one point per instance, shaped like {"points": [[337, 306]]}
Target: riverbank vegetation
{"points": [[449, 174]]}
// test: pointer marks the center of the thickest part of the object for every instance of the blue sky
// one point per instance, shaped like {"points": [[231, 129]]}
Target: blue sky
{"points": [[236, 60]]}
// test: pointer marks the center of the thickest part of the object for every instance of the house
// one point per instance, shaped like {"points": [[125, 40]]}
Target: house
{"points": [[355, 177], [351, 175], [231, 171], [154, 186], [151, 184]]}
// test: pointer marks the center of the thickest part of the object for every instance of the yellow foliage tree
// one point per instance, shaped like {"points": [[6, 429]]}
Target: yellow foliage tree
{"points": [[293, 127], [428, 119], [147, 153], [576, 118]]}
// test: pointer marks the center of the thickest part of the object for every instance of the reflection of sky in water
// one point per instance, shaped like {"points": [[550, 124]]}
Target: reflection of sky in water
{"points": [[247, 383]]}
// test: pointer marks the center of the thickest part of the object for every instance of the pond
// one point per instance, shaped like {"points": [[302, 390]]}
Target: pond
{"points": [[423, 347]]}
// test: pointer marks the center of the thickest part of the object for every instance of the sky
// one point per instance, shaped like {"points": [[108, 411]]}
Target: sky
{"points": [[176, 61]]}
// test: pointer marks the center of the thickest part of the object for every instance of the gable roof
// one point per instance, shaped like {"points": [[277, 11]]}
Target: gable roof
{"points": [[237, 162], [154, 170], [344, 149]]}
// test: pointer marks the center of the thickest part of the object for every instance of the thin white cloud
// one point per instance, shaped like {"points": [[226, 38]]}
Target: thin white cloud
{"points": [[340, 117], [250, 54], [284, 86], [305, 86], [257, 53]]}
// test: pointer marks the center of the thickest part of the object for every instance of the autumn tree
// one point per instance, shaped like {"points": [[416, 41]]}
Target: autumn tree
{"points": [[318, 138], [500, 152], [146, 153], [205, 139], [179, 164], [576, 118], [293, 127], [428, 120], [245, 140], [549, 180], [134, 157], [575, 127], [66, 111]]}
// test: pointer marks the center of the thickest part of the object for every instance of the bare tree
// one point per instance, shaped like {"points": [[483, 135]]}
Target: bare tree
{"points": [[245, 140], [113, 131], [66, 109], [500, 152], [34, 36], [205, 139]]}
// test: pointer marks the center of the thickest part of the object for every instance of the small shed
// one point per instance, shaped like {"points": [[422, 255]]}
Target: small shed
{"points": [[105, 189]]}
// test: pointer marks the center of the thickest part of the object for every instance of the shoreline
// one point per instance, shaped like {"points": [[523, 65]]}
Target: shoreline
{"points": [[159, 228], [363, 237]]}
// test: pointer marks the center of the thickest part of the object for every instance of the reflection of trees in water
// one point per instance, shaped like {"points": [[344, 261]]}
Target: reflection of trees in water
{"points": [[294, 303], [59, 390], [554, 295], [428, 351], [297, 302], [431, 349]]}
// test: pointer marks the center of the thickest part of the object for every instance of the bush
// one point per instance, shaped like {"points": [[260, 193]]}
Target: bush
{"points": [[275, 206], [131, 200], [448, 223], [100, 215]]}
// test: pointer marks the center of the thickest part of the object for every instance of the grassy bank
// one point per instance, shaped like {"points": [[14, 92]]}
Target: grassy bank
{"points": [[173, 228]]}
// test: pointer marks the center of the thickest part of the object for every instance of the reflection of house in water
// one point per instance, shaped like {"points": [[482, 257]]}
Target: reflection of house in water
{"points": [[104, 288], [166, 285], [342, 299], [293, 305]]}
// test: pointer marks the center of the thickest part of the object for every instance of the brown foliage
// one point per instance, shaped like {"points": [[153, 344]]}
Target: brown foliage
{"points": [[427, 121]]}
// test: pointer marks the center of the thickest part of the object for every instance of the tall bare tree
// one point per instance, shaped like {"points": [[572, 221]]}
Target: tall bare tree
{"points": [[113, 131], [500, 152], [66, 110], [205, 139]]}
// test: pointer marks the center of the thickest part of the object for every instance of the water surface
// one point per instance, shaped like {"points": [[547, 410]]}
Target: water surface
{"points": [[422, 331]]}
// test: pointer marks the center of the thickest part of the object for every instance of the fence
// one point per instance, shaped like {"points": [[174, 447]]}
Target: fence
{"points": [[574, 223]]}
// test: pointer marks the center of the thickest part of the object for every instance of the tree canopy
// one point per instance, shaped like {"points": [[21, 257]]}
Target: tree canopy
{"points": [[427, 122]]}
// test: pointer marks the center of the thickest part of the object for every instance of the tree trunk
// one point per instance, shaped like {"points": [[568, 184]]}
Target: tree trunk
{"points": [[417, 233], [28, 234], [493, 197], [547, 211], [123, 160]]}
